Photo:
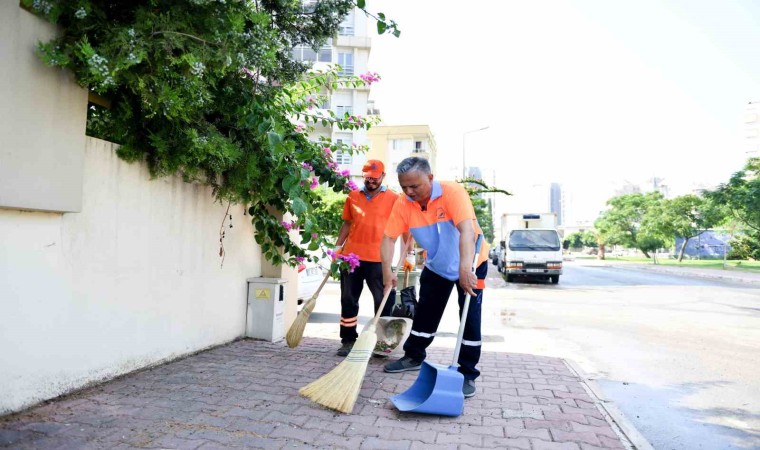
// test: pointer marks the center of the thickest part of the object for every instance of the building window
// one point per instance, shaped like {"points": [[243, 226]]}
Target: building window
{"points": [[346, 62], [305, 53], [417, 146], [342, 110], [396, 144], [341, 157], [346, 28]]}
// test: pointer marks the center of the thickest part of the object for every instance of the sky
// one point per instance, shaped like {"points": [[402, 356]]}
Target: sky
{"points": [[587, 93]]}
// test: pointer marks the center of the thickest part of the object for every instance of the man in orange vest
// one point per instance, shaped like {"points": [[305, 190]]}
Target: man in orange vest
{"points": [[442, 221], [364, 214]]}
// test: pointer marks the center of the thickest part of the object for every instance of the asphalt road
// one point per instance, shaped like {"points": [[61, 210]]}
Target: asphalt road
{"points": [[680, 357]]}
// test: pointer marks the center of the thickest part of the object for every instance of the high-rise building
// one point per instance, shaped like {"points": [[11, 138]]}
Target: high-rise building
{"points": [[392, 143], [350, 49], [752, 127], [555, 201]]}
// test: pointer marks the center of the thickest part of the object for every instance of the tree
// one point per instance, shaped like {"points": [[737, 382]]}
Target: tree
{"points": [[208, 90], [573, 240], [483, 212], [484, 216], [624, 222], [687, 216], [742, 194]]}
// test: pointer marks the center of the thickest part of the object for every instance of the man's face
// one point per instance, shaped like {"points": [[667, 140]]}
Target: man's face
{"points": [[373, 184], [416, 185]]}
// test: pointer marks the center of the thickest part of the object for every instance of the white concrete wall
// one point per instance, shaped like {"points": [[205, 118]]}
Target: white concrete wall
{"points": [[132, 280], [43, 114]]}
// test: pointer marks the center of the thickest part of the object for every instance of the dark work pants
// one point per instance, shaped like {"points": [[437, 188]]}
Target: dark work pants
{"points": [[434, 294], [351, 286]]}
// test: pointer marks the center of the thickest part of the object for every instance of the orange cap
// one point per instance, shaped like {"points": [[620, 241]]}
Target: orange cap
{"points": [[373, 168]]}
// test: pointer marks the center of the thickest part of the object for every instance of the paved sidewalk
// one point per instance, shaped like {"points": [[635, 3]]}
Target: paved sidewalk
{"points": [[245, 395]]}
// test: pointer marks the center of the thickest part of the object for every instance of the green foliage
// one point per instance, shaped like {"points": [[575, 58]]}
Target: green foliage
{"points": [[741, 195], [329, 212], [745, 246], [630, 222], [686, 217], [485, 217], [207, 89]]}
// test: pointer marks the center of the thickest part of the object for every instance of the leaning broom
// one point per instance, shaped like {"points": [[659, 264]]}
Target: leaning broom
{"points": [[295, 332], [339, 388]]}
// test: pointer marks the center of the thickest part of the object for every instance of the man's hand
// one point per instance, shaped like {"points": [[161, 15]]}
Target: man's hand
{"points": [[468, 281], [389, 281]]}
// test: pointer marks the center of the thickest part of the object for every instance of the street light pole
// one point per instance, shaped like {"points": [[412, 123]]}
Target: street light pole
{"points": [[464, 167]]}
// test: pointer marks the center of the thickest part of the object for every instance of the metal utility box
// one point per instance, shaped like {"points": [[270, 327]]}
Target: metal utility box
{"points": [[266, 308]]}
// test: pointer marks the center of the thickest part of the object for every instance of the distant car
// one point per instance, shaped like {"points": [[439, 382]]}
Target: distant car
{"points": [[493, 255], [310, 276]]}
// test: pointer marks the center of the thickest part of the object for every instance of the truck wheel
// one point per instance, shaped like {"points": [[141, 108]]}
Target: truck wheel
{"points": [[510, 278], [554, 279]]}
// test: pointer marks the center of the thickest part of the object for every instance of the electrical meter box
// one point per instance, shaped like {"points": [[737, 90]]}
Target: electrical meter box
{"points": [[266, 308]]}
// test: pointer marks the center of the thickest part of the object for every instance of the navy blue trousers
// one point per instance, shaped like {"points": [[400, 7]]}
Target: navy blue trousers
{"points": [[351, 287], [434, 294]]}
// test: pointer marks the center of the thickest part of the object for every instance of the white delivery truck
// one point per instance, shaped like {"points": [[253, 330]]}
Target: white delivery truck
{"points": [[531, 247]]}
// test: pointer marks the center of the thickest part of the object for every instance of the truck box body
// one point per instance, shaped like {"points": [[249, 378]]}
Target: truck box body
{"points": [[531, 247]]}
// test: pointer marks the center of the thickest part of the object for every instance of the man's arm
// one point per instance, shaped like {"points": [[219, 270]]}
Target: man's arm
{"points": [[467, 278], [386, 253], [343, 234]]}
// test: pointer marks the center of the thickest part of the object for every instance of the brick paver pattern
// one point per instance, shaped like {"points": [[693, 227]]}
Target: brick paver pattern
{"points": [[245, 395]]}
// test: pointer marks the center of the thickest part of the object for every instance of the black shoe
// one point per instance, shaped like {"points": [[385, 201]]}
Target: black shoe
{"points": [[345, 348], [468, 388], [402, 365]]}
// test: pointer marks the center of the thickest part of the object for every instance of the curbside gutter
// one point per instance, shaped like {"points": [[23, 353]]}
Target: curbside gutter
{"points": [[631, 437]]}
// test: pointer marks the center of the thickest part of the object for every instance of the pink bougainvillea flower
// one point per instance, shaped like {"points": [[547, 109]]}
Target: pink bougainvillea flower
{"points": [[370, 77], [307, 166], [300, 259], [314, 235], [351, 185], [314, 183], [345, 173], [327, 151], [287, 225]]}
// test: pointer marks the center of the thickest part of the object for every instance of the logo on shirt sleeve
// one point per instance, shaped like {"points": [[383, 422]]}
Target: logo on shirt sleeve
{"points": [[440, 213]]}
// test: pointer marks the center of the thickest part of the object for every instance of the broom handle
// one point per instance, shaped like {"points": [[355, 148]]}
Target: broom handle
{"points": [[319, 289], [380, 309], [463, 320]]}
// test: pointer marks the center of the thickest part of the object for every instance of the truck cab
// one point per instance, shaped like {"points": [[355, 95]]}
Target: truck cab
{"points": [[531, 249]]}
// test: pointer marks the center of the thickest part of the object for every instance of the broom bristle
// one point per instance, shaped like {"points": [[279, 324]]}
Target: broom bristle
{"points": [[339, 388], [295, 333]]}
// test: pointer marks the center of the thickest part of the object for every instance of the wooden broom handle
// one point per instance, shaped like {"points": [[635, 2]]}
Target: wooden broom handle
{"points": [[380, 309]]}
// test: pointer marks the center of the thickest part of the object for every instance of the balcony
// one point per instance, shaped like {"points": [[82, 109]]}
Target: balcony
{"points": [[353, 41]]}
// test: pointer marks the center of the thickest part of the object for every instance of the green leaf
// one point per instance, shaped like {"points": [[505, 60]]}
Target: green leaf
{"points": [[314, 246], [381, 27], [299, 206], [361, 4], [274, 139]]}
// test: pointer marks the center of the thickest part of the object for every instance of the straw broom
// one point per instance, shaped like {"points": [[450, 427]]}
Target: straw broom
{"points": [[295, 332], [339, 388]]}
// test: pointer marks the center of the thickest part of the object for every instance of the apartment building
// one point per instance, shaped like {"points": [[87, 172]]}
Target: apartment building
{"points": [[392, 143], [350, 49]]}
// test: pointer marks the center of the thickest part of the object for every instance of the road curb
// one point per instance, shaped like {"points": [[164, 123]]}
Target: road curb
{"points": [[631, 437]]}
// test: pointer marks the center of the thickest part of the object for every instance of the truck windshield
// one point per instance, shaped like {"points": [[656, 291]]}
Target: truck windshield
{"points": [[541, 240]]}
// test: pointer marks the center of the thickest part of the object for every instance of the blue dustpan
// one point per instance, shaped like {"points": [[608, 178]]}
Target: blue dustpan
{"points": [[438, 389]]}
